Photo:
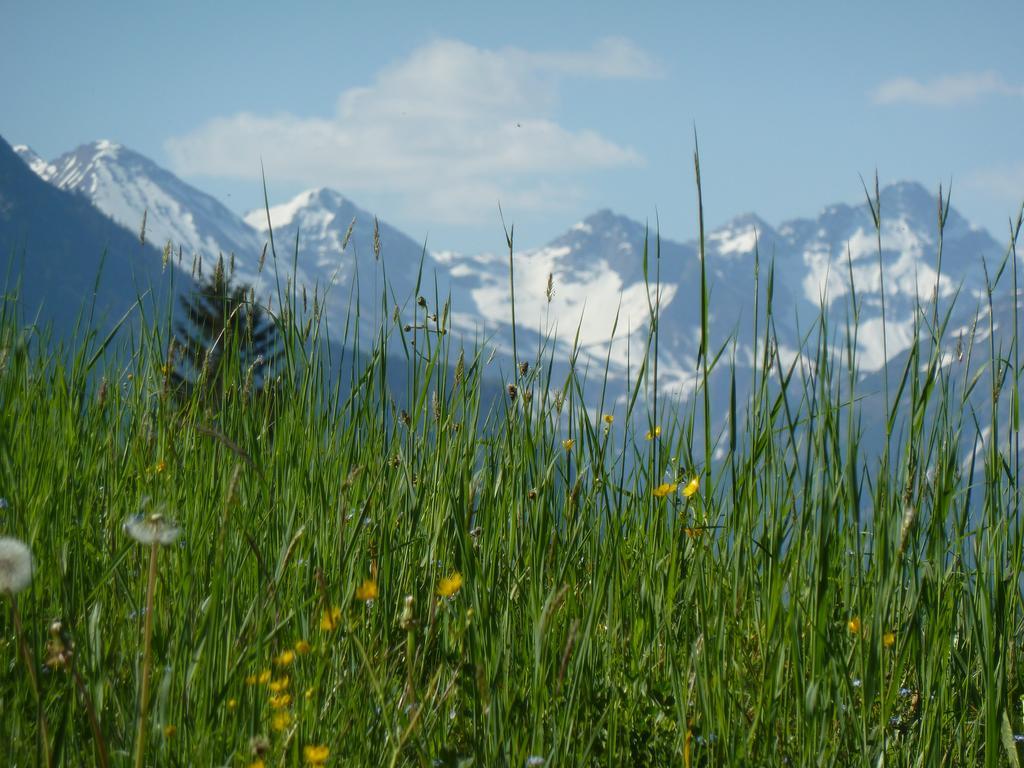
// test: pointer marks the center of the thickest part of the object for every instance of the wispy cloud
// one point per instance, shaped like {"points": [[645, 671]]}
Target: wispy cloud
{"points": [[947, 91], [450, 129], [1003, 183]]}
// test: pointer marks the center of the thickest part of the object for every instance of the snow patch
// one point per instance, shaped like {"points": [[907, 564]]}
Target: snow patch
{"points": [[584, 299], [280, 215], [44, 170], [735, 242]]}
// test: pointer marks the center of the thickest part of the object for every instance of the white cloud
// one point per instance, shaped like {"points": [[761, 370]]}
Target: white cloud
{"points": [[1005, 183], [449, 130], [947, 91]]}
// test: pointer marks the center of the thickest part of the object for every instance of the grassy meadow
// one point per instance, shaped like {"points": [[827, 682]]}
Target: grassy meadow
{"points": [[329, 572]]}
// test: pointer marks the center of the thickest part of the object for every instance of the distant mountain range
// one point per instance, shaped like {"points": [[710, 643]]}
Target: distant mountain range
{"points": [[596, 268]]}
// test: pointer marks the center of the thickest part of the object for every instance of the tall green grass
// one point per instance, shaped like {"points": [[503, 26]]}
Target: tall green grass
{"points": [[816, 602]]}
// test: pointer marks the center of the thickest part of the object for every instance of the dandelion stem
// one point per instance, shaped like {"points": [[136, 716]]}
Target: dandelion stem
{"points": [[44, 735], [140, 738]]}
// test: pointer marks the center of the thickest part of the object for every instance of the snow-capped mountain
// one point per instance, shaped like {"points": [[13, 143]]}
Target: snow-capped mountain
{"points": [[596, 268], [598, 289], [337, 243], [599, 283], [124, 184], [842, 241], [44, 170], [67, 260]]}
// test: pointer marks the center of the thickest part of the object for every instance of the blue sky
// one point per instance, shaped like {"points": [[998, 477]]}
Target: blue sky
{"points": [[430, 114]]}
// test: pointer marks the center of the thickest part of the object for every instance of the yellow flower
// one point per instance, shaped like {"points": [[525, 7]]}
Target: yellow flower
{"points": [[367, 591], [160, 466], [664, 490], [280, 721], [653, 433], [888, 639], [853, 625], [232, 704], [302, 647], [281, 684], [264, 677], [692, 487], [450, 584], [285, 658], [315, 754], [330, 619], [568, 443], [169, 731], [693, 533], [309, 692], [608, 418], [257, 764], [250, 679], [280, 700]]}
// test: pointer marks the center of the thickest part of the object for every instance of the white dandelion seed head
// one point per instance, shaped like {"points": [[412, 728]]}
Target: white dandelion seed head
{"points": [[15, 565], [152, 528]]}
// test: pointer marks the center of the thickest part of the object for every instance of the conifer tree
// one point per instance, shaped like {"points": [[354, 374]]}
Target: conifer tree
{"points": [[223, 327]]}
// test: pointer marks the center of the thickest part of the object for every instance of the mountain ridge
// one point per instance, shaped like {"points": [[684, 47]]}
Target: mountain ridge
{"points": [[69, 258], [596, 265]]}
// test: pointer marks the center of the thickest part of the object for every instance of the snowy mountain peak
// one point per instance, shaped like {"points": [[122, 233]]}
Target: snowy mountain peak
{"points": [[126, 185], [105, 145], [41, 167], [314, 207]]}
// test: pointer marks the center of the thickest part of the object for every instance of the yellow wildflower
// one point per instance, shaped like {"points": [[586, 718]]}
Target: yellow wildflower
{"points": [[693, 533], [854, 626], [889, 639], [330, 619], [264, 677], [250, 679], [170, 730], [281, 684], [568, 443], [315, 754], [280, 700], [232, 704], [450, 584], [285, 658], [664, 490], [309, 692], [280, 720], [692, 487], [653, 433], [302, 647], [367, 591], [257, 764], [608, 418]]}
